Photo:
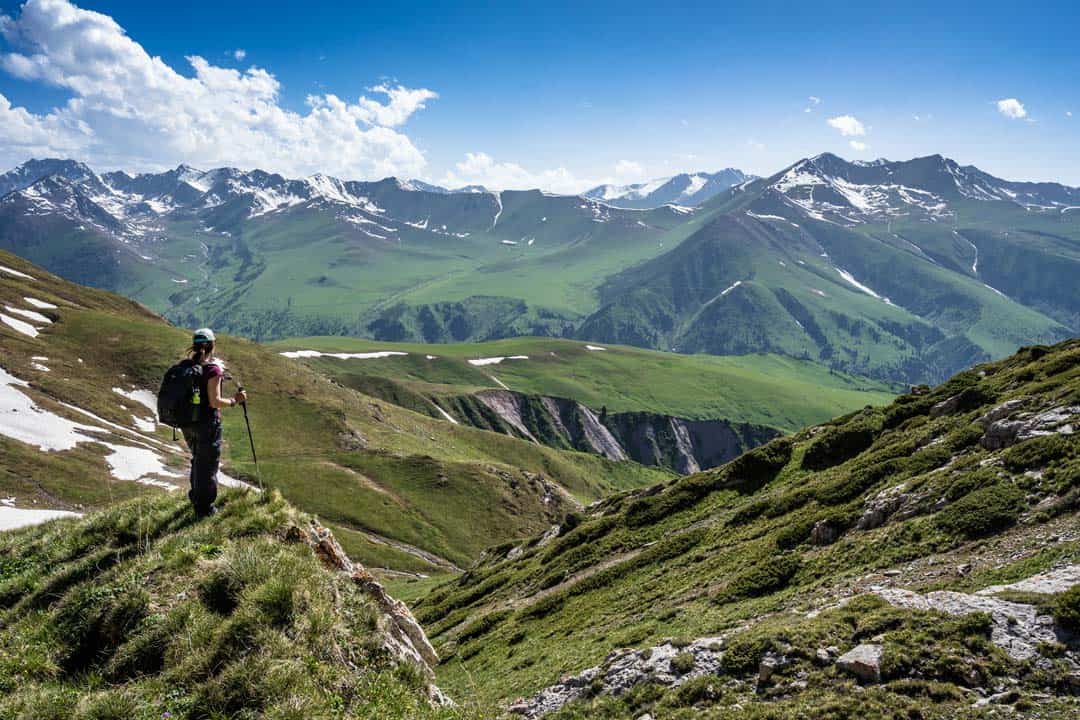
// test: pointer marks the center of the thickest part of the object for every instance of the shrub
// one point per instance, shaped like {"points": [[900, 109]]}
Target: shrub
{"points": [[1039, 452], [682, 663], [838, 444], [756, 468], [765, 577], [743, 654], [1067, 609], [983, 511], [794, 534]]}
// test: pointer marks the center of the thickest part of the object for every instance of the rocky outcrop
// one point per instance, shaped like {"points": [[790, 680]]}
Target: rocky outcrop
{"points": [[625, 669], [1007, 425], [1048, 583], [685, 446], [1018, 628], [402, 635]]}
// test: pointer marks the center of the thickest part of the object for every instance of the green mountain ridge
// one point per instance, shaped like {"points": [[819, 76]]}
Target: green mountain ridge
{"points": [[903, 271]]}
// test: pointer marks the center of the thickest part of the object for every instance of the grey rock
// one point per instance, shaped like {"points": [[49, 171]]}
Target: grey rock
{"points": [[1001, 433], [1047, 583], [945, 407], [823, 533], [1018, 628], [863, 661]]}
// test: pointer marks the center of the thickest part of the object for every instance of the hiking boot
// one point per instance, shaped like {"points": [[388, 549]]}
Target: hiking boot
{"points": [[211, 512]]}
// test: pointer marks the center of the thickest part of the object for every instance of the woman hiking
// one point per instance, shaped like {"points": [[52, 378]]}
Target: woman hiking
{"points": [[203, 436]]}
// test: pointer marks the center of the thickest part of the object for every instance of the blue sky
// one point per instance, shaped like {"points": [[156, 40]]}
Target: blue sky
{"points": [[561, 95]]}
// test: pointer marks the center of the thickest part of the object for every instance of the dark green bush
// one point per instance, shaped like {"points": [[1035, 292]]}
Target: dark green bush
{"points": [[794, 534], [766, 577], [752, 470], [1067, 609], [835, 445], [743, 654], [1040, 452], [983, 511], [682, 663]]}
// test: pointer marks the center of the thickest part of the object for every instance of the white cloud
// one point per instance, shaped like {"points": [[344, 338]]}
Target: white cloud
{"points": [[858, 146], [628, 171], [240, 54], [1012, 108], [847, 125], [403, 103], [479, 168], [814, 102], [130, 109], [1068, 113]]}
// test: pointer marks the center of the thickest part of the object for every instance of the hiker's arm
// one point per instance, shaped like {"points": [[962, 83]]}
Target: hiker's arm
{"points": [[216, 401]]}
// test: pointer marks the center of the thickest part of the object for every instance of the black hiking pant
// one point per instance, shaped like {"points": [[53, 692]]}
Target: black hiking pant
{"points": [[204, 441]]}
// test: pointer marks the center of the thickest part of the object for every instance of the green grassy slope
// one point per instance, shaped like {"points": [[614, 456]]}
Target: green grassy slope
{"points": [[375, 471], [762, 389], [143, 613], [730, 552], [752, 283]]}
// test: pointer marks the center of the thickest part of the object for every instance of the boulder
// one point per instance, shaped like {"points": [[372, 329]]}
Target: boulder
{"points": [[1003, 430], [823, 533], [862, 661]]}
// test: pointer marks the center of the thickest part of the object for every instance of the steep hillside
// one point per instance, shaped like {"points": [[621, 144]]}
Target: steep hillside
{"points": [[400, 489], [140, 612], [907, 271], [909, 559]]}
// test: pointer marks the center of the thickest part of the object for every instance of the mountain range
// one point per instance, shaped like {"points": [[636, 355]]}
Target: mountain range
{"points": [[903, 271], [685, 189]]}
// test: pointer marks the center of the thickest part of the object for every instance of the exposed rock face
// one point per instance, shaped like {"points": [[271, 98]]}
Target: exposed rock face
{"points": [[1047, 583], [685, 446], [877, 509], [622, 670], [402, 635], [1018, 628], [862, 661], [1005, 426]]}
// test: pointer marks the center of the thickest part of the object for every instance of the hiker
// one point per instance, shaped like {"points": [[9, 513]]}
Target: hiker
{"points": [[203, 435]]}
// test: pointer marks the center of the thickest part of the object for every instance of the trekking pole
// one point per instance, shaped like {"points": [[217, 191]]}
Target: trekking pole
{"points": [[251, 440]]}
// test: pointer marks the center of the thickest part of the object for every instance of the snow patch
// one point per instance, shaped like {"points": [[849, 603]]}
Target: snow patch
{"points": [[445, 414], [594, 347], [496, 360], [343, 356], [144, 397], [19, 326], [29, 314], [15, 518], [40, 304], [14, 272], [39, 366], [731, 287]]}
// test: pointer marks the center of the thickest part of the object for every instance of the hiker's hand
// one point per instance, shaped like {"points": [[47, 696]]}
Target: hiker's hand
{"points": [[240, 397]]}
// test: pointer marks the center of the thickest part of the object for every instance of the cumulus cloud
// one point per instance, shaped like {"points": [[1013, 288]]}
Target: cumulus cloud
{"points": [[858, 146], [1012, 108], [628, 171], [848, 125], [479, 168], [240, 54], [130, 109]]}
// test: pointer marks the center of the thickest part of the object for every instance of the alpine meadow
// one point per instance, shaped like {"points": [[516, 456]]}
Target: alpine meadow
{"points": [[539, 362]]}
